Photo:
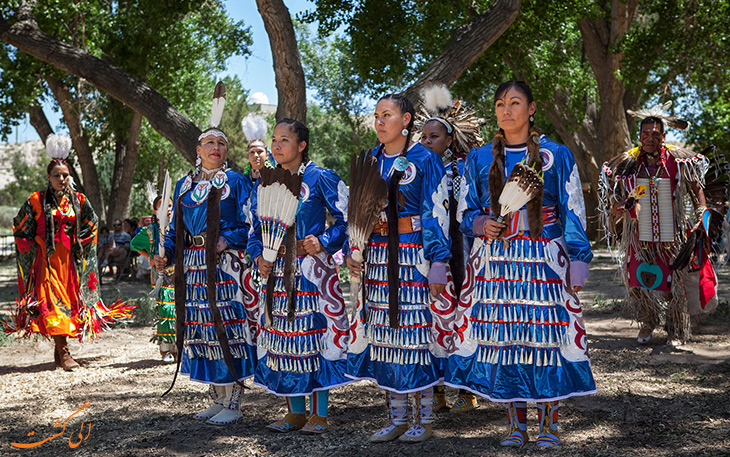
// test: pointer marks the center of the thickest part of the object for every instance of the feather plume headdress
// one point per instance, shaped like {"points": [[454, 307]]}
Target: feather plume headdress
{"points": [[58, 146], [660, 112], [254, 128], [458, 118], [216, 112]]}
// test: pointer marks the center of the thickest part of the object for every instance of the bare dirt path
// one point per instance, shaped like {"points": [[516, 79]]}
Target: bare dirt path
{"points": [[652, 400]]}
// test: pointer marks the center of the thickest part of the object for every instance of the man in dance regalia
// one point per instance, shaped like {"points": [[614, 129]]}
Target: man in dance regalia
{"points": [[646, 195]]}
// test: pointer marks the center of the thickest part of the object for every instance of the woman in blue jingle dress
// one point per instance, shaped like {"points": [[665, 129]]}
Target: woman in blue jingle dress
{"points": [[305, 355], [208, 222], [401, 335], [519, 333]]}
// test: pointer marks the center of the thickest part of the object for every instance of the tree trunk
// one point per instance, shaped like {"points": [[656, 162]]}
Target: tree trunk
{"points": [[600, 37], [40, 123], [162, 116], [288, 71], [81, 144], [126, 153], [466, 45]]}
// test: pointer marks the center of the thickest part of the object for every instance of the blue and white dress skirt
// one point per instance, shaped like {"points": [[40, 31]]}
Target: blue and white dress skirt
{"points": [[202, 356], [309, 354], [412, 357], [519, 333]]}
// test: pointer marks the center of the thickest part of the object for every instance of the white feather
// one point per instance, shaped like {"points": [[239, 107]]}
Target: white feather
{"points": [[436, 98], [276, 203], [216, 111], [149, 189], [254, 127], [58, 146]]}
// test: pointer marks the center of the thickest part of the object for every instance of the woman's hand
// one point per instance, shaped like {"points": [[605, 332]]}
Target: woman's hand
{"points": [[436, 289], [577, 289], [492, 228], [355, 267], [312, 245], [221, 245], [265, 267], [160, 263]]}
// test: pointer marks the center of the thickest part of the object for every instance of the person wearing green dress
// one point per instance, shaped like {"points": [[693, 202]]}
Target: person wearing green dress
{"points": [[147, 242]]}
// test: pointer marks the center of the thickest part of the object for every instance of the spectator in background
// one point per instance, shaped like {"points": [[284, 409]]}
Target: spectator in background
{"points": [[105, 242], [118, 252]]}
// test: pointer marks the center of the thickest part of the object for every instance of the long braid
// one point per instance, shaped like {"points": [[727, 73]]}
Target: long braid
{"points": [[394, 196], [457, 239]]}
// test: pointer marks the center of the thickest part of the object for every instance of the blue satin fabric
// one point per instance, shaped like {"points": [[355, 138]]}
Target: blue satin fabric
{"points": [[558, 171], [215, 371], [233, 227], [289, 383], [521, 382], [406, 367], [322, 191], [518, 306], [393, 376]]}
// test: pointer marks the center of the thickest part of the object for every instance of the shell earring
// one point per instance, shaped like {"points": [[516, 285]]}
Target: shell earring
{"points": [[532, 118], [404, 132]]}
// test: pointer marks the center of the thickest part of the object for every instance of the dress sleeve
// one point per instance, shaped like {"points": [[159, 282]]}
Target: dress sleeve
{"points": [[255, 246], [24, 231], [141, 241], [235, 227], [434, 216], [470, 204], [336, 197], [573, 216]]}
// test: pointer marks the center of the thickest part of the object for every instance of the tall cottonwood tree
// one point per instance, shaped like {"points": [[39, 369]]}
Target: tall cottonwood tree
{"points": [[109, 51]]}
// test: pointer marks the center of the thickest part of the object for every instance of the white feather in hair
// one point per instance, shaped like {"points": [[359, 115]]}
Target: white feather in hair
{"points": [[437, 99], [219, 102], [58, 146], [254, 127], [149, 189]]}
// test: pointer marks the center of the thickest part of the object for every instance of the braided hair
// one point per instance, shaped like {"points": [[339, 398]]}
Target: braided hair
{"points": [[405, 106]]}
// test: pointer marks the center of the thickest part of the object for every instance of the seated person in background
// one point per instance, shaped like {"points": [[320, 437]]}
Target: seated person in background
{"points": [[121, 239], [105, 242]]}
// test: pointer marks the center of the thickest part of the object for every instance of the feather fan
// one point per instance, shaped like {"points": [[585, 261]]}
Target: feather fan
{"points": [[219, 102], [163, 223], [278, 201], [368, 193], [522, 186]]}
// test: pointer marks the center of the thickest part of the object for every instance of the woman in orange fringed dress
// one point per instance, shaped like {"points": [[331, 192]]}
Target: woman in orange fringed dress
{"points": [[55, 239]]}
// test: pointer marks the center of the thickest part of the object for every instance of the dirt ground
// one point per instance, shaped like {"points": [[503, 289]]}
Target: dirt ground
{"points": [[652, 400]]}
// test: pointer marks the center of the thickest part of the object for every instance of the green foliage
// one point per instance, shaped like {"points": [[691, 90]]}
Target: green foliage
{"points": [[675, 49], [29, 175], [174, 46]]}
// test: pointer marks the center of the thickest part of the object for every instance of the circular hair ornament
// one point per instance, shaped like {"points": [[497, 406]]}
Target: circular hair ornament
{"points": [[58, 146]]}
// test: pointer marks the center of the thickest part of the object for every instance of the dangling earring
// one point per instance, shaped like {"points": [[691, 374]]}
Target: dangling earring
{"points": [[198, 164], [448, 154], [532, 118], [225, 165], [404, 132]]}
